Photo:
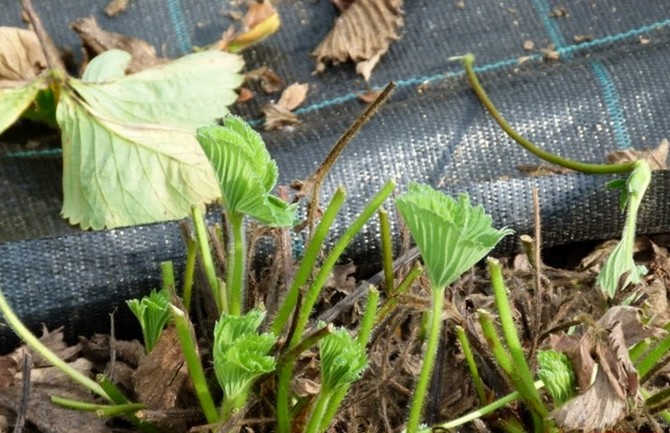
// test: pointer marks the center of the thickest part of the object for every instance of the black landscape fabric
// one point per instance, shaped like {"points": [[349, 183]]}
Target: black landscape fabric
{"points": [[608, 91]]}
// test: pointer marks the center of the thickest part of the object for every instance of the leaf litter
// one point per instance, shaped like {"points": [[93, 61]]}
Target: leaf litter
{"points": [[363, 33]]}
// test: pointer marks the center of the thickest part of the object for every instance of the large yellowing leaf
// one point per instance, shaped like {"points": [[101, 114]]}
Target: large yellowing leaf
{"points": [[190, 91], [15, 100], [118, 174], [129, 150]]}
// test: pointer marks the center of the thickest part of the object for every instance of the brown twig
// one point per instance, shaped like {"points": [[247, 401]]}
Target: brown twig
{"points": [[312, 185], [48, 47], [537, 259], [25, 394]]}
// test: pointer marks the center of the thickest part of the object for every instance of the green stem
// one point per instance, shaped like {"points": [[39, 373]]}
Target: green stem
{"points": [[428, 361], [308, 261], [283, 398], [191, 251], [235, 277], [387, 250], [313, 293], [521, 369], [491, 335], [369, 314], [111, 390], [167, 277], [500, 403], [315, 423], [470, 359], [15, 323], [364, 331], [188, 347], [207, 261], [392, 302], [232, 405], [104, 409], [468, 62]]}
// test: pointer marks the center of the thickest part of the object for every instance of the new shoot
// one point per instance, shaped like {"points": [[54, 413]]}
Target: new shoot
{"points": [[452, 236]]}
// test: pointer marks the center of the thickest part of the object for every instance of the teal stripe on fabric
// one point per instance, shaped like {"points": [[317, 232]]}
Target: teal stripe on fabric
{"points": [[613, 104], [554, 32], [428, 79], [179, 25]]}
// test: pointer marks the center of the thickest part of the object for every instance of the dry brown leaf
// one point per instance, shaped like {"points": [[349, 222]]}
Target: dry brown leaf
{"points": [[260, 21], [115, 7], [369, 96], [293, 96], [363, 33], [630, 319], [162, 376], [303, 387], [657, 158], [279, 114], [46, 416], [21, 56], [244, 95], [276, 117], [269, 80], [97, 40], [342, 5], [596, 409]]}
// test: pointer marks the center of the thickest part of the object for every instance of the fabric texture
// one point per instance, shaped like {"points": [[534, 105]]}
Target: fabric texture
{"points": [[608, 92]]}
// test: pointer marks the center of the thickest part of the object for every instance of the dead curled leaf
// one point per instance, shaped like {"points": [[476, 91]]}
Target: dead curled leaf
{"points": [[96, 40], [280, 113], [21, 56], [363, 33], [602, 349], [269, 80]]}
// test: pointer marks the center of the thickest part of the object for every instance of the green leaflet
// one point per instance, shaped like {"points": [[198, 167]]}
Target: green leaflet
{"points": [[107, 66], [117, 173], [451, 235], [152, 312], [240, 353], [245, 171], [15, 100], [620, 262], [556, 372], [189, 92], [343, 360]]}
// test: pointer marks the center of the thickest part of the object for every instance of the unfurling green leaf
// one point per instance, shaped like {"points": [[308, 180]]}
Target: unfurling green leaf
{"points": [[451, 235], [152, 312], [343, 360], [129, 151], [245, 171], [15, 100], [620, 268], [556, 373], [240, 353]]}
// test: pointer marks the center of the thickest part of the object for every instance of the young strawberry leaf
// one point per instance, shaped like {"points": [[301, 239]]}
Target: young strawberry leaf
{"points": [[245, 171], [152, 312]]}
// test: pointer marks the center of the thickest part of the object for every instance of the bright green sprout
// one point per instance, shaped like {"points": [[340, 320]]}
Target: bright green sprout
{"points": [[620, 263], [343, 359], [246, 175], [240, 356], [245, 171], [152, 312], [452, 236], [556, 373]]}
